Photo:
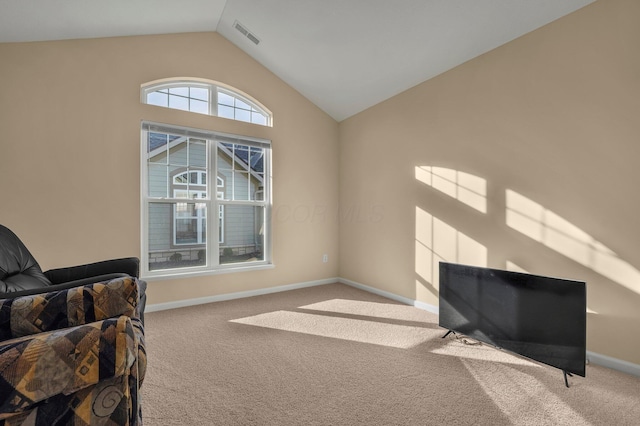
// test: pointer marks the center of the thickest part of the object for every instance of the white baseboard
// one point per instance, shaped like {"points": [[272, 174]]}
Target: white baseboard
{"points": [[613, 363], [592, 357], [238, 295], [425, 306]]}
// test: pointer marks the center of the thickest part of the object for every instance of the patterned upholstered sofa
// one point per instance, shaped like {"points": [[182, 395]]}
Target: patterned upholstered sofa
{"points": [[73, 356], [21, 274]]}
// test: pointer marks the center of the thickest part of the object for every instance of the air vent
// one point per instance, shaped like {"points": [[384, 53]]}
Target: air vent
{"points": [[238, 26]]}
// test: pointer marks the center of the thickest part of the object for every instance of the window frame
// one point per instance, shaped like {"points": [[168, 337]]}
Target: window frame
{"points": [[213, 202]]}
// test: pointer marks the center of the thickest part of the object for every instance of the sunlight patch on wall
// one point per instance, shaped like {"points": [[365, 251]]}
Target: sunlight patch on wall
{"points": [[355, 330], [464, 187], [515, 268], [438, 241], [543, 225]]}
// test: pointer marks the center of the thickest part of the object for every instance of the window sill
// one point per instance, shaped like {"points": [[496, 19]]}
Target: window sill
{"points": [[178, 274]]}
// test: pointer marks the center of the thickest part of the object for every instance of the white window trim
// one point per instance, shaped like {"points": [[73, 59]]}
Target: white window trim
{"points": [[212, 266]]}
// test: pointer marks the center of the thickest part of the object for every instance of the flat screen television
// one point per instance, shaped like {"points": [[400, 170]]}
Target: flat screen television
{"points": [[541, 318]]}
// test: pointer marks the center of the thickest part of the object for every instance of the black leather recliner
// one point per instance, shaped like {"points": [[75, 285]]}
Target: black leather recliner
{"points": [[20, 274]]}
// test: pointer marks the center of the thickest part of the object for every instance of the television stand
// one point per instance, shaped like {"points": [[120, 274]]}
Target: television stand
{"points": [[566, 373], [447, 333]]}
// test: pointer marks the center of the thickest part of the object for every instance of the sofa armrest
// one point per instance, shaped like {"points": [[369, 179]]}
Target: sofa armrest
{"points": [[26, 315], [63, 286], [34, 368], [127, 265]]}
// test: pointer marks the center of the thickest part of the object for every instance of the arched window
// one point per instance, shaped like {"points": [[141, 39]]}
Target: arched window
{"points": [[205, 97]]}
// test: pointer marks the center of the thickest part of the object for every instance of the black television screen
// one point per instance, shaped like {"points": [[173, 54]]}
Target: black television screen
{"points": [[541, 318]]}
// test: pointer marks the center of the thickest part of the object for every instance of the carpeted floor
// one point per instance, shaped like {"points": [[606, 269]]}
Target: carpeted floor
{"points": [[336, 355]]}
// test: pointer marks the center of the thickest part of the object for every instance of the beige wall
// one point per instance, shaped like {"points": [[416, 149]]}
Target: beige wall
{"points": [[70, 118], [553, 116]]}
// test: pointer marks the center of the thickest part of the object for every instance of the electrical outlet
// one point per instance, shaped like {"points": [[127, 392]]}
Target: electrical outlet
{"points": [[325, 258]]}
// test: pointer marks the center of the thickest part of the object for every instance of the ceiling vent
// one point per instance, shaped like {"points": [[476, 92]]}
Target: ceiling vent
{"points": [[238, 26]]}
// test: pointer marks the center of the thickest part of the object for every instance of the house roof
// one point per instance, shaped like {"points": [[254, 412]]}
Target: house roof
{"points": [[251, 157]]}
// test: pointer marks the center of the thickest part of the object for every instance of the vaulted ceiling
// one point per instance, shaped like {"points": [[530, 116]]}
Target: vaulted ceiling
{"points": [[343, 55]]}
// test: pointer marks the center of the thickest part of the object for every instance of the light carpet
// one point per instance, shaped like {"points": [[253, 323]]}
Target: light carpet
{"points": [[336, 355]]}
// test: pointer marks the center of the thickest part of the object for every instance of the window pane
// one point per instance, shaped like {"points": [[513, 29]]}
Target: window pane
{"points": [[178, 153], [226, 192], [181, 179], [186, 231], [240, 185], [243, 105], [201, 107], [259, 194], [159, 228], [157, 147], [163, 252], [197, 152], [255, 189], [180, 193], [180, 91], [200, 93], [257, 118], [242, 156], [257, 159], [190, 223], [158, 98], [221, 224], [190, 184], [242, 169], [224, 99], [225, 111], [178, 102], [157, 180], [243, 115], [225, 152], [196, 195], [243, 234], [202, 223]]}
